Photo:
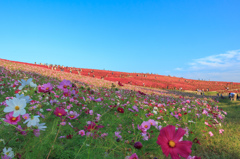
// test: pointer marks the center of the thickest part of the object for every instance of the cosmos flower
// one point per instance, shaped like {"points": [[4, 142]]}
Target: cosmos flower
{"points": [[120, 110], [32, 121], [16, 106], [8, 152], [41, 126], [169, 138], [11, 119], [72, 115], [24, 83], [65, 84], [60, 112], [27, 98], [47, 87], [81, 132]]}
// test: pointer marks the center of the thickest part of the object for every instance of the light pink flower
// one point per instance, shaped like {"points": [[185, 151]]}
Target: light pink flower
{"points": [[25, 116], [81, 132], [221, 131], [210, 133]]}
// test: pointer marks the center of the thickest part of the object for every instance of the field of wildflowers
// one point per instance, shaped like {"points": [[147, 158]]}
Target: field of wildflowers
{"points": [[47, 114], [143, 79]]}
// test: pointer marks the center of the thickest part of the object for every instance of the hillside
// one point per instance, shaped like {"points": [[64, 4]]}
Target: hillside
{"points": [[145, 80]]}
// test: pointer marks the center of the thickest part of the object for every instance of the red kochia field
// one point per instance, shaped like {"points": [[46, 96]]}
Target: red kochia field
{"points": [[150, 80], [59, 115]]}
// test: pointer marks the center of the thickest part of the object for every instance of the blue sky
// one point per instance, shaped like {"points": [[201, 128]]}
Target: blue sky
{"points": [[197, 39]]}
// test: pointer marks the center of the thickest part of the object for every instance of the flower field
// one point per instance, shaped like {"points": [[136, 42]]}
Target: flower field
{"points": [[146, 79], [58, 115]]}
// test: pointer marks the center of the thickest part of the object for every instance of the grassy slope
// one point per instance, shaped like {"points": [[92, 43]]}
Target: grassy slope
{"points": [[227, 145]]}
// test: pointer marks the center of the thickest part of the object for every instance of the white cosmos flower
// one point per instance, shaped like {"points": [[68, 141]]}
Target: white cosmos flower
{"points": [[24, 83], [155, 112], [32, 121], [33, 85], [8, 152], [16, 105], [27, 98], [41, 126]]}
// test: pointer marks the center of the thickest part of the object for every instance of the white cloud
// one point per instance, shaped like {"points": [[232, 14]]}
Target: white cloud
{"points": [[221, 67], [178, 69], [229, 60]]}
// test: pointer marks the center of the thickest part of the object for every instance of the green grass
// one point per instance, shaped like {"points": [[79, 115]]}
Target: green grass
{"points": [[212, 93], [224, 146]]}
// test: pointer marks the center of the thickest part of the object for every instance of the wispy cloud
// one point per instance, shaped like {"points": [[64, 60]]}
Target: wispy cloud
{"points": [[179, 69], [221, 67], [228, 60]]}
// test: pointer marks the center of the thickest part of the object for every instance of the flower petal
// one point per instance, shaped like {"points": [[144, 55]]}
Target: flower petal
{"points": [[168, 131], [174, 154], [178, 135], [8, 109], [183, 148]]}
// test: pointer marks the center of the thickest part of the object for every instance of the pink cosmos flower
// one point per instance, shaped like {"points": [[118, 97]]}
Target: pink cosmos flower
{"points": [[6, 157], [60, 112], [12, 120], [133, 156], [221, 131], [89, 133], [152, 122], [135, 108], [66, 93], [64, 84], [91, 112], [146, 125], [169, 138], [63, 123], [72, 115], [104, 134], [36, 132], [25, 116], [210, 133], [145, 136], [142, 128], [20, 129], [117, 134], [47, 87], [81, 132]]}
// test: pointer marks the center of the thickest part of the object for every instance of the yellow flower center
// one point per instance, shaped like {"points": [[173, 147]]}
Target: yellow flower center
{"points": [[7, 153], [13, 119], [66, 94], [71, 116], [145, 126], [59, 114], [17, 107], [171, 143], [65, 86], [25, 117], [47, 88]]}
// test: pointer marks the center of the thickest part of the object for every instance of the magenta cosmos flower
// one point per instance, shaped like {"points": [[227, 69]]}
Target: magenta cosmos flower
{"points": [[169, 138], [67, 93], [60, 112], [64, 84], [47, 87], [12, 120], [133, 156]]}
